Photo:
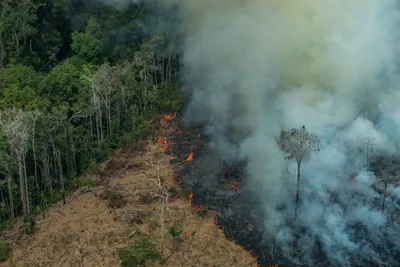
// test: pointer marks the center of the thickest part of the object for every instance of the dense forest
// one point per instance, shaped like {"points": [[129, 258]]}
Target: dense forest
{"points": [[77, 79]]}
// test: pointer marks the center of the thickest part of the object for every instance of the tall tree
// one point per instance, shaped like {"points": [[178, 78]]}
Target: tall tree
{"points": [[16, 128], [298, 144], [7, 166]]}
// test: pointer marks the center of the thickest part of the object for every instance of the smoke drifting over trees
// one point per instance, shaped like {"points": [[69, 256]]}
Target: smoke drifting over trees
{"points": [[259, 67]]}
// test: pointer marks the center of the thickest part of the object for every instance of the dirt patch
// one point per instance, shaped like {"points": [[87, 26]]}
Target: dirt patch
{"points": [[88, 230]]}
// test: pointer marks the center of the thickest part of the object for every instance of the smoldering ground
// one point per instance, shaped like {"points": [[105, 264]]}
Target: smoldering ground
{"points": [[258, 67]]}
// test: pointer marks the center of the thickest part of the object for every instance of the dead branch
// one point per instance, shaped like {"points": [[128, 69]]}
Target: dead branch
{"points": [[162, 191], [61, 213]]}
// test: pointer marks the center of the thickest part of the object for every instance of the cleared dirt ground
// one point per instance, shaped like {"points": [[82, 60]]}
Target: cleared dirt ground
{"points": [[87, 232]]}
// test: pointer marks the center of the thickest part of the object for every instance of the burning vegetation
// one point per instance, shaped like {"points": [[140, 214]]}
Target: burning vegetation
{"points": [[226, 193], [186, 148], [325, 195]]}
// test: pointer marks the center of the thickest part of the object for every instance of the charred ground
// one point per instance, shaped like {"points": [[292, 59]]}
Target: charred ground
{"points": [[221, 186]]}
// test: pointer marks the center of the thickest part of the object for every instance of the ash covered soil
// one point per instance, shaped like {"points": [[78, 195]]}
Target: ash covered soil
{"points": [[87, 231]]}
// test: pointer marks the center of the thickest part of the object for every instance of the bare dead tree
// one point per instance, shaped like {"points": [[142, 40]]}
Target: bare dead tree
{"points": [[298, 144], [386, 178], [7, 167], [105, 83], [44, 157], [368, 149], [34, 116], [161, 191], [14, 124]]}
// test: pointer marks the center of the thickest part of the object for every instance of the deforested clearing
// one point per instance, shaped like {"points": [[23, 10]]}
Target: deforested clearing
{"points": [[88, 230]]}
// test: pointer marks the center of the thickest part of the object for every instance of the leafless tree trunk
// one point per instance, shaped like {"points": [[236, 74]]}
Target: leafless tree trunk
{"points": [[22, 189], [297, 189], [384, 197], [74, 168], [10, 195], [7, 169], [368, 150], [34, 116], [386, 179], [57, 158], [15, 126], [162, 192], [26, 183], [45, 163]]}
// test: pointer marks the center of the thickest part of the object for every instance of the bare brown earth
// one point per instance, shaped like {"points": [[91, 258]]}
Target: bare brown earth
{"points": [[87, 232]]}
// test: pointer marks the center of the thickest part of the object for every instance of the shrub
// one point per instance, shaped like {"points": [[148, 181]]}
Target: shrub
{"points": [[4, 251], [174, 230], [30, 226], [6, 224], [81, 182], [140, 253], [115, 199]]}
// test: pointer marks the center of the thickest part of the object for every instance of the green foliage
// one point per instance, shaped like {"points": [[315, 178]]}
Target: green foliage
{"points": [[97, 80], [30, 226], [82, 182], [298, 144], [87, 47], [175, 231], [114, 198], [62, 85], [14, 96], [4, 251], [143, 129], [6, 224], [19, 75], [140, 253]]}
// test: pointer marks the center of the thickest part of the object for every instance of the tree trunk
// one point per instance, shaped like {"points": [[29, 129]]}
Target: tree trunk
{"points": [[67, 149], [109, 117], [384, 196], [91, 127], [57, 155], [74, 168], [101, 125], [368, 144], [22, 189], [61, 176], [26, 184], [162, 229], [10, 195], [34, 156], [297, 189]]}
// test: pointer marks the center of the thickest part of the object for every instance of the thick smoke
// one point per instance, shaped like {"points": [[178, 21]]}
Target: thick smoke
{"points": [[261, 66]]}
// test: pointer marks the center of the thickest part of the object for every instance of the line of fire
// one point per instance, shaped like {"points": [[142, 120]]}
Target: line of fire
{"points": [[227, 198]]}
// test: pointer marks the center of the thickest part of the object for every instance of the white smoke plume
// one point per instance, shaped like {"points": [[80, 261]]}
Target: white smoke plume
{"points": [[257, 67]]}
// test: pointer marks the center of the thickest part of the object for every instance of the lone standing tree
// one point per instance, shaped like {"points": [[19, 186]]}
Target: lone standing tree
{"points": [[298, 144]]}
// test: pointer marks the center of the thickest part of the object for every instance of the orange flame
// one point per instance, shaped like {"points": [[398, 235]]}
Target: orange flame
{"points": [[190, 157], [175, 180], [164, 143], [219, 228], [169, 117], [235, 185], [199, 208]]}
